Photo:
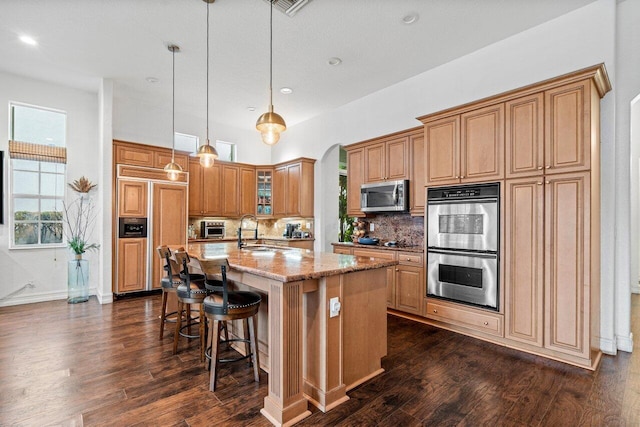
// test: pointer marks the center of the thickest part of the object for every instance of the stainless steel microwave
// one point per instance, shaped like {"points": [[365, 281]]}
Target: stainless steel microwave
{"points": [[387, 196]]}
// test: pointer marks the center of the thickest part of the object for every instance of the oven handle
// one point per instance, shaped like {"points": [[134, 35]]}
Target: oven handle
{"points": [[461, 253], [458, 201]]}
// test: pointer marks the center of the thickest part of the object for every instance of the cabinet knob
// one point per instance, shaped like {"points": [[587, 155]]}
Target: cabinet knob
{"points": [[539, 183], [397, 269], [548, 167], [539, 167], [435, 311], [457, 176], [546, 182], [486, 323], [408, 259], [461, 176]]}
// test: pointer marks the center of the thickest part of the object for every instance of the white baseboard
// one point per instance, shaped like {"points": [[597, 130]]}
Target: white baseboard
{"points": [[39, 297], [625, 343], [635, 288], [608, 346], [105, 298]]}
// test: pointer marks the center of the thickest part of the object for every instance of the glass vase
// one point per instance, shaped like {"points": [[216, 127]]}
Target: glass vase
{"points": [[78, 281]]}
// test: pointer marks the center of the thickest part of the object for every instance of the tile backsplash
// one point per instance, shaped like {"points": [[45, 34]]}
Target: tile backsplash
{"points": [[403, 228], [266, 227]]}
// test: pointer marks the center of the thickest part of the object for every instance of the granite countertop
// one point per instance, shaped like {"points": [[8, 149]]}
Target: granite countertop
{"points": [[235, 239], [285, 264], [416, 249]]}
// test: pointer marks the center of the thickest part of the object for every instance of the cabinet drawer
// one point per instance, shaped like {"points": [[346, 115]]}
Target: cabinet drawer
{"points": [[372, 253], [138, 156], [410, 258], [469, 318], [339, 250]]}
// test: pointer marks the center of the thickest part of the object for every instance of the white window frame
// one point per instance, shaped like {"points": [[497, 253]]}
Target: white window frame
{"points": [[196, 142], [234, 150], [12, 195]]}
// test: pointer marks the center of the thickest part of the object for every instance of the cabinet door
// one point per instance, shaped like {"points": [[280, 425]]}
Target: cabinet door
{"points": [[247, 190], [138, 156], [265, 193], [396, 157], [567, 122], [307, 189], [417, 174], [523, 260], [442, 151], [524, 136], [279, 191], [391, 271], [409, 285], [132, 265], [294, 175], [355, 178], [132, 199], [195, 188], [212, 190], [169, 221], [567, 261], [482, 144], [374, 163], [230, 197], [162, 158]]}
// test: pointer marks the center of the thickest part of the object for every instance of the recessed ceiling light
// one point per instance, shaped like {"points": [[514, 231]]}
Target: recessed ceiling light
{"points": [[286, 90], [28, 40], [251, 108], [334, 61], [152, 79], [410, 18]]}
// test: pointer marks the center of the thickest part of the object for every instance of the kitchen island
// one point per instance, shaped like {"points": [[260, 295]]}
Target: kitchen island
{"points": [[311, 353]]}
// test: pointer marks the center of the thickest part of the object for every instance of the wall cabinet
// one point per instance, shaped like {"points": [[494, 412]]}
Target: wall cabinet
{"points": [[386, 160], [205, 189], [293, 188], [524, 136], [132, 199], [265, 192], [247, 189], [465, 148], [355, 178], [127, 153], [230, 190], [392, 157]]}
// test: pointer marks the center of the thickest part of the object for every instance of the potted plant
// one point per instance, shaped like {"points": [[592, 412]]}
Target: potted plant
{"points": [[80, 218]]}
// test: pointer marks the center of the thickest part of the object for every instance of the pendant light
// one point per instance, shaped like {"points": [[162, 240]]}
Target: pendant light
{"points": [[173, 169], [206, 152], [270, 124]]}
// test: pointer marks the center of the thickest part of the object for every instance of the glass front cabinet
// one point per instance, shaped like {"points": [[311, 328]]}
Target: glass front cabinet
{"points": [[265, 186]]}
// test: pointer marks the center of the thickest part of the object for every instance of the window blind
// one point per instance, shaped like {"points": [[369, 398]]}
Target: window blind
{"points": [[38, 152]]}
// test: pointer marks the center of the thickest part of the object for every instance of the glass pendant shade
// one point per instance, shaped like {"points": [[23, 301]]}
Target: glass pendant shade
{"points": [[173, 171], [207, 155], [270, 125]]}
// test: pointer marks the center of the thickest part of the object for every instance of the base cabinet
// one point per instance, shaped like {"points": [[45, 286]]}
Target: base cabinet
{"points": [[132, 262], [405, 282]]}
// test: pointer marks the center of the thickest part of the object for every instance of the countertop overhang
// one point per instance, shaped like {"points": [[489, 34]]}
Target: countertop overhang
{"points": [[285, 264], [416, 249]]}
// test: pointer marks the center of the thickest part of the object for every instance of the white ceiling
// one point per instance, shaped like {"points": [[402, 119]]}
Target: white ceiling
{"points": [[82, 41]]}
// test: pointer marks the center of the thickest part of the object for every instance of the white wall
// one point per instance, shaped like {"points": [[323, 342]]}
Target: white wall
{"points": [[148, 122], [577, 40], [47, 268]]}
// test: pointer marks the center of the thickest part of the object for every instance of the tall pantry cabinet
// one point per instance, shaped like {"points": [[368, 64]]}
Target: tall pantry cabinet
{"points": [[542, 143]]}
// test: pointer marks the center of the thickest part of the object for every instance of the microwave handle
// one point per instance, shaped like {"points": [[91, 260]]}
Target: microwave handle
{"points": [[395, 194], [363, 200]]}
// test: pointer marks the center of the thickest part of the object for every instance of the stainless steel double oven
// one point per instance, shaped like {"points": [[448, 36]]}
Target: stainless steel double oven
{"points": [[463, 224]]}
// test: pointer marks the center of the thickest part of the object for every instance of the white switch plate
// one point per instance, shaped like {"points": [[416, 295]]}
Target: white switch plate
{"points": [[371, 227], [334, 307]]}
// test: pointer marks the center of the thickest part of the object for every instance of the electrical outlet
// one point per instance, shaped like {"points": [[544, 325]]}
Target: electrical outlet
{"points": [[334, 307], [371, 227], [308, 225]]}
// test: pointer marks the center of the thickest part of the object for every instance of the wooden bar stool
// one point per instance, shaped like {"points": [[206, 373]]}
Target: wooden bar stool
{"points": [[190, 291], [225, 306], [169, 283]]}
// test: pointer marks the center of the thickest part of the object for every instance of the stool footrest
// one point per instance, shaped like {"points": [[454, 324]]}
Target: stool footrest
{"points": [[207, 352]]}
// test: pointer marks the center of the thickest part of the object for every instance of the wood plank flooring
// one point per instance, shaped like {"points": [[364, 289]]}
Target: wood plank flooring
{"points": [[90, 364]]}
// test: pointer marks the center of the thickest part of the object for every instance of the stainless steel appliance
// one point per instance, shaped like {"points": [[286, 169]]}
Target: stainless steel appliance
{"points": [[463, 224], [212, 229], [290, 229], [388, 196], [132, 227]]}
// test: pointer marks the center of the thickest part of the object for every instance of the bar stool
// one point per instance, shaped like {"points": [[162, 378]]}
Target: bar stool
{"points": [[169, 284], [190, 291], [230, 305]]}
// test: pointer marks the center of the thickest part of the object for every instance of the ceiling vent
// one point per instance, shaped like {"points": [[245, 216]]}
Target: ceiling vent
{"points": [[289, 7]]}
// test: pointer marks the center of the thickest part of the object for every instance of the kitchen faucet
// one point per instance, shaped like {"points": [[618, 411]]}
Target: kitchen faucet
{"points": [[255, 230]]}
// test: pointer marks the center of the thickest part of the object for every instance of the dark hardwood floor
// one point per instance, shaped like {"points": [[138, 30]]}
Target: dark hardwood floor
{"points": [[91, 364]]}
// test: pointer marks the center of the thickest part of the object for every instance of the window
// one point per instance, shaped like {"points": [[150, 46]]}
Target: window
{"points": [[37, 173], [226, 151], [188, 143]]}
